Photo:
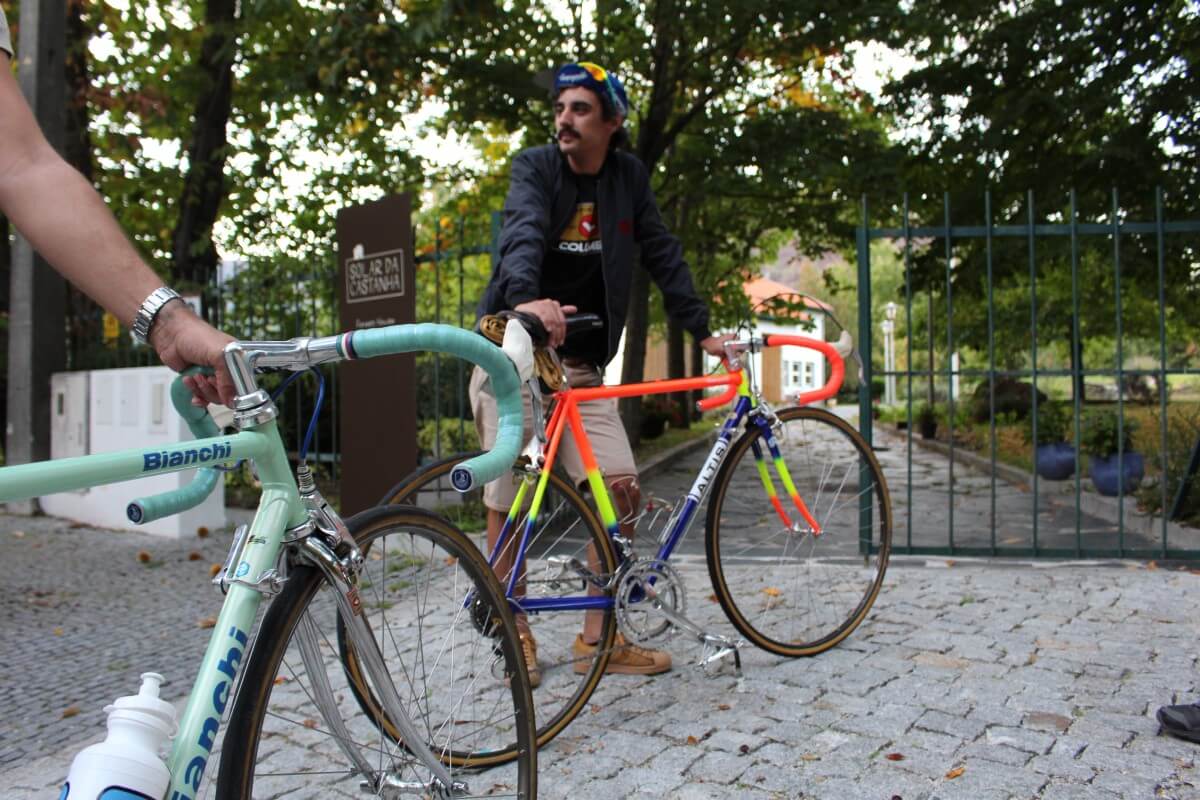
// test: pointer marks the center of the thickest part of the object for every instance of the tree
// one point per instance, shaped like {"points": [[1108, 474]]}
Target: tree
{"points": [[730, 75], [1042, 102]]}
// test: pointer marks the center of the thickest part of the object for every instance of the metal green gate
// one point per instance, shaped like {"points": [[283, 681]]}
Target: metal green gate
{"points": [[1000, 304]]}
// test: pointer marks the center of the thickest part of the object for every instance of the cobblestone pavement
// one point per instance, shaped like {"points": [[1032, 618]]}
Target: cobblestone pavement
{"points": [[970, 678]]}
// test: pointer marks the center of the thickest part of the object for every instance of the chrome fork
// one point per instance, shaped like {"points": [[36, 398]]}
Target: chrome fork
{"points": [[342, 573]]}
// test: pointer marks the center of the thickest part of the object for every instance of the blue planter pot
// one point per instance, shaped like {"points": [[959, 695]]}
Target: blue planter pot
{"points": [[1055, 462], [1105, 478]]}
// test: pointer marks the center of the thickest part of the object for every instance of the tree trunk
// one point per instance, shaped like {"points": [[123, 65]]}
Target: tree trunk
{"points": [[193, 255], [676, 367], [650, 146], [633, 368], [84, 317]]}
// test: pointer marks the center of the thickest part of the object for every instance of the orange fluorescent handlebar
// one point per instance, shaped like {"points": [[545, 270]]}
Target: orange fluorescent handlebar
{"points": [[838, 366], [721, 399]]}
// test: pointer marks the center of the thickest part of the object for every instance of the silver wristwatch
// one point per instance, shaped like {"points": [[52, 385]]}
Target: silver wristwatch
{"points": [[149, 309]]}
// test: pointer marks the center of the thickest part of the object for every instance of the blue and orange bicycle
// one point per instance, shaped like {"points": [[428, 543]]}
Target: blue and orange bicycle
{"points": [[798, 529]]}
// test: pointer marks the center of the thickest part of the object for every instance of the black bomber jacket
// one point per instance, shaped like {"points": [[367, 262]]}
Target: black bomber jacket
{"points": [[540, 203]]}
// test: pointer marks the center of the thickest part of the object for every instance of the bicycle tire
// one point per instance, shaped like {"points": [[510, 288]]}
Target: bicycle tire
{"points": [[786, 590], [421, 566], [566, 526]]}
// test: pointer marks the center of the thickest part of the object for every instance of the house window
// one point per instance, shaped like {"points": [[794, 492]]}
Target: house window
{"points": [[810, 374], [793, 373]]}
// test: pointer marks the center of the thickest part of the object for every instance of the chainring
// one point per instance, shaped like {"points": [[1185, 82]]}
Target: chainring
{"points": [[644, 587]]}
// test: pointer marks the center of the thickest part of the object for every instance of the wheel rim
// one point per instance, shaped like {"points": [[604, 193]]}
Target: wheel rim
{"points": [[412, 592], [566, 528], [787, 589]]}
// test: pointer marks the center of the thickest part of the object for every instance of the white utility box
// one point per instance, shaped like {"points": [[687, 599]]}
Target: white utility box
{"points": [[118, 409]]}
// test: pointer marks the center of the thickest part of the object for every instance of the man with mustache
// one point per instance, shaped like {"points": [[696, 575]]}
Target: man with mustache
{"points": [[64, 219], [575, 214]]}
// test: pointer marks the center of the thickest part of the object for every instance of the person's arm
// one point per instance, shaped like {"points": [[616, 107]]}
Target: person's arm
{"points": [[527, 210], [526, 224], [67, 222]]}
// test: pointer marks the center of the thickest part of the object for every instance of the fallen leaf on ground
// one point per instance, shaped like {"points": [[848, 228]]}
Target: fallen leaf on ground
{"points": [[310, 723], [693, 740], [194, 556], [724, 706], [451, 561], [208, 622], [771, 591], [58, 631], [597, 708], [1153, 565], [213, 570], [894, 756], [712, 598], [70, 711], [143, 556], [201, 532], [954, 773], [810, 757]]}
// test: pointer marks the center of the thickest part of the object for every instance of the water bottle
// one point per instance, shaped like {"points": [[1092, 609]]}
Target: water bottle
{"points": [[126, 765]]}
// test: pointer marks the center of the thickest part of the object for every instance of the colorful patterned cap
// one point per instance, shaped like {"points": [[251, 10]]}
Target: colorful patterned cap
{"points": [[595, 77]]}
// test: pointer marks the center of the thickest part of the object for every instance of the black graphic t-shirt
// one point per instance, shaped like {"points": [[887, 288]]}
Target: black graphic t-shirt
{"points": [[573, 272]]}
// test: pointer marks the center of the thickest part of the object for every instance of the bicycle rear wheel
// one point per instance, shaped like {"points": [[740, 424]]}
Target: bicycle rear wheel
{"points": [[455, 664], [568, 553], [788, 589]]}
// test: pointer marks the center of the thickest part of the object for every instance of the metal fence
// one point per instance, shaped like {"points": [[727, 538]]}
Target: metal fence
{"points": [[1005, 305], [281, 298]]}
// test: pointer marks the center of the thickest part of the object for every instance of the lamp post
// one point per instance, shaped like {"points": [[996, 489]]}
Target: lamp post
{"points": [[889, 352]]}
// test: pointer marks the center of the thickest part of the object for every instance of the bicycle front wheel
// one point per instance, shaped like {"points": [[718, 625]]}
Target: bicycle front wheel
{"points": [[304, 726], [792, 587], [569, 555]]}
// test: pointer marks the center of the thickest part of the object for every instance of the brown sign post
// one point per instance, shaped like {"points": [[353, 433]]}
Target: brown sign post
{"points": [[378, 404]]}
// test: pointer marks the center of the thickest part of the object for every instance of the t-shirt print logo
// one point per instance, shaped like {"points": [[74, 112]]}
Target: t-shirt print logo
{"points": [[587, 227], [583, 227], [581, 237]]}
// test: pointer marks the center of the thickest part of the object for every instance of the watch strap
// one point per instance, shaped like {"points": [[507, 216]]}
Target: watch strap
{"points": [[146, 313]]}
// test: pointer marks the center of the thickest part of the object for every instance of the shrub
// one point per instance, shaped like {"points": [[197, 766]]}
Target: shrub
{"points": [[1183, 430], [1102, 437], [1012, 396], [1053, 423], [451, 440], [663, 406]]}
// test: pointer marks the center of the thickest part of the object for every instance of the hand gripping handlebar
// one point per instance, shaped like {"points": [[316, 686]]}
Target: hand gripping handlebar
{"points": [[148, 509], [835, 352], [302, 353]]}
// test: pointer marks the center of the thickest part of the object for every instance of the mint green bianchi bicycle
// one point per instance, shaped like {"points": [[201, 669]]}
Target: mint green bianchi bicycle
{"points": [[399, 592]]}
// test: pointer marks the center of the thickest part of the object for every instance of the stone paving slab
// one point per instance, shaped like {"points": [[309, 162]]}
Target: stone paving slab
{"points": [[970, 678], [893, 711]]}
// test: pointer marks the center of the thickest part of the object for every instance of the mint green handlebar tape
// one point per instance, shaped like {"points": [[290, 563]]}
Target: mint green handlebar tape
{"points": [[478, 350], [148, 509]]}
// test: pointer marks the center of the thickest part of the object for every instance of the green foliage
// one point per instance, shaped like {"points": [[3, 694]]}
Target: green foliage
{"points": [[456, 436], [927, 414], [1054, 423], [1052, 107], [1183, 431], [1104, 433]]}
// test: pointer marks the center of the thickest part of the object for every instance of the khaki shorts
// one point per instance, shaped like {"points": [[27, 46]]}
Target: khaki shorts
{"points": [[600, 419]]}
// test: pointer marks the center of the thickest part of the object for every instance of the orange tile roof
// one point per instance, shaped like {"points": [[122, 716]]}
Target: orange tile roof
{"points": [[760, 290]]}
